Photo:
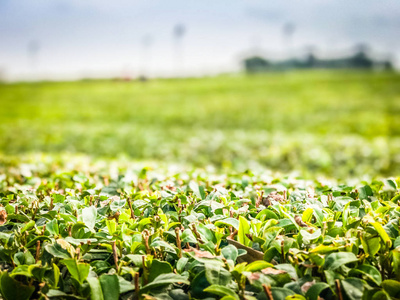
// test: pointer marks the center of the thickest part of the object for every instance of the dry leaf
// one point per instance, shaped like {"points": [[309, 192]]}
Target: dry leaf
{"points": [[276, 197], [272, 271], [299, 221], [250, 256], [253, 276], [3, 217], [104, 203], [170, 187], [266, 202], [305, 287], [64, 244], [199, 253]]}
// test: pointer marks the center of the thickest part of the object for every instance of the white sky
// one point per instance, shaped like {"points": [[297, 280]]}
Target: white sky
{"points": [[96, 38]]}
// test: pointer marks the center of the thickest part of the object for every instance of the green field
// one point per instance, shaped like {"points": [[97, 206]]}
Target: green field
{"points": [[334, 123], [184, 189]]}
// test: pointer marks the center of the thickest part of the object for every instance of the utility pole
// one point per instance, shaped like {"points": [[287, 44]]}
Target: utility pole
{"points": [[288, 31], [146, 43], [178, 33], [33, 49]]}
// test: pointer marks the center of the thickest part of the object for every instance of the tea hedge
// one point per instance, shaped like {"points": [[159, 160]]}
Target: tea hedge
{"points": [[141, 233]]}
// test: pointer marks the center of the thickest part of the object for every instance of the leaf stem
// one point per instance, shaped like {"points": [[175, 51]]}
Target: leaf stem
{"points": [[267, 291], [178, 241], [37, 251], [338, 289], [115, 254], [137, 288], [145, 275], [130, 208], [146, 235]]}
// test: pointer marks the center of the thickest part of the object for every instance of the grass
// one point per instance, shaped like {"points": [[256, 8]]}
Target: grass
{"points": [[335, 123]]}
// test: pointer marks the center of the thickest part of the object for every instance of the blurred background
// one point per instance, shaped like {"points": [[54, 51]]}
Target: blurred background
{"points": [[311, 86]]}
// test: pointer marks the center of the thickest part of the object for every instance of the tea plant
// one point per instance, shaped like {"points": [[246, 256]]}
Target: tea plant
{"points": [[121, 233], [336, 123]]}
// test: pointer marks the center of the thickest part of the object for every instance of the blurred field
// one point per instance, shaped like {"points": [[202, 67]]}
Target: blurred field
{"points": [[334, 123]]}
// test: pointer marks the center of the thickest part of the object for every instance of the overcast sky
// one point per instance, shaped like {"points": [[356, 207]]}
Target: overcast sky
{"points": [[78, 38]]}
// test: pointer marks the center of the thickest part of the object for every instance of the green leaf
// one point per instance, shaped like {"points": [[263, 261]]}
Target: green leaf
{"points": [[157, 268], [53, 227], [78, 271], [295, 297], [188, 237], [368, 272], [354, 288], [117, 205], [162, 280], [247, 254], [336, 260], [180, 265], [216, 274], [60, 251], [391, 184], [228, 222], [315, 290], [125, 286], [205, 233], [396, 198], [309, 237], [228, 298], [392, 287], [378, 295], [23, 270], [381, 231], [281, 293], [161, 243], [77, 242], [136, 259], [198, 284], [61, 295], [221, 291], [95, 288], [270, 235], [4, 237], [244, 228], [24, 258], [28, 226], [307, 215], [109, 286], [319, 216], [57, 198], [197, 190], [365, 192], [12, 289], [289, 269], [322, 249], [258, 266], [396, 262], [56, 275], [88, 216], [111, 226], [371, 246], [230, 252], [266, 214], [38, 238]]}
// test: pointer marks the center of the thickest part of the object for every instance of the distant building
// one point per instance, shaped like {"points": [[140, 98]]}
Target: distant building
{"points": [[359, 60], [256, 64]]}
